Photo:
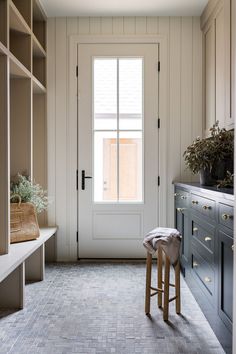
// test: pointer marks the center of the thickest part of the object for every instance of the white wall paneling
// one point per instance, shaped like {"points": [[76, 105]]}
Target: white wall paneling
{"points": [[180, 108]]}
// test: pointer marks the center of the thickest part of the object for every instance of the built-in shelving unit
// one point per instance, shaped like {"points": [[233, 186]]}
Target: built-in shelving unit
{"points": [[22, 100]]}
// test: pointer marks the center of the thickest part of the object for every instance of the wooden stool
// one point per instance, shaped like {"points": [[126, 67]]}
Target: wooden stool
{"points": [[159, 290]]}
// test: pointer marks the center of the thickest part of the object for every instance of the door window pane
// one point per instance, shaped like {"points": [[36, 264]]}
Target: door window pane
{"points": [[105, 94], [105, 166], [130, 166], [130, 93]]}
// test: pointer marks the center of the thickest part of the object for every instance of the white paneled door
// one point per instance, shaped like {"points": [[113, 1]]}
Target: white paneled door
{"points": [[117, 148]]}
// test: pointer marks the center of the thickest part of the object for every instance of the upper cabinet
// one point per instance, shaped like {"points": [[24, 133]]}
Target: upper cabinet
{"points": [[216, 26]]}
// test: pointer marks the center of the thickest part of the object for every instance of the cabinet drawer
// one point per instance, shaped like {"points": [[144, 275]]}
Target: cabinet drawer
{"points": [[205, 206], [204, 234], [226, 215], [204, 272], [181, 198]]}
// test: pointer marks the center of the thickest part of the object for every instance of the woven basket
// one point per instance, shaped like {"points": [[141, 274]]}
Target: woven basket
{"points": [[23, 221]]}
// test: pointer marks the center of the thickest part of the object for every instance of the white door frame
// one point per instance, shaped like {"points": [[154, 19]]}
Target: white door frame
{"points": [[72, 124]]}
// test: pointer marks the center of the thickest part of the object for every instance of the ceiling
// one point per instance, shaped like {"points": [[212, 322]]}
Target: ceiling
{"points": [[61, 8]]}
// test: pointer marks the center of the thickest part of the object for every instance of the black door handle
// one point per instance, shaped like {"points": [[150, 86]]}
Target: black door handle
{"points": [[83, 180]]}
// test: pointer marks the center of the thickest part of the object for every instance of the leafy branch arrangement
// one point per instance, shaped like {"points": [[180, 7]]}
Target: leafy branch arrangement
{"points": [[227, 182], [29, 192], [204, 153]]}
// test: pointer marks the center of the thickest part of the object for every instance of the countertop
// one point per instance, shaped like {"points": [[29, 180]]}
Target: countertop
{"points": [[225, 193]]}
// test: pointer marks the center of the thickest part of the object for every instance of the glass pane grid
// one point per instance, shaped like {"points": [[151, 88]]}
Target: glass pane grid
{"points": [[118, 134]]}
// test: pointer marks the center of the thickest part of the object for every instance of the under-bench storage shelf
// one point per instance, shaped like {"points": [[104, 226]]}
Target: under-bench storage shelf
{"points": [[204, 216]]}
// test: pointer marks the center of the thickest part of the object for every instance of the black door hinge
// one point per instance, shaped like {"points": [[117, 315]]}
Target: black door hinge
{"points": [[159, 66], [77, 236], [158, 123], [77, 71], [158, 181], [77, 180]]}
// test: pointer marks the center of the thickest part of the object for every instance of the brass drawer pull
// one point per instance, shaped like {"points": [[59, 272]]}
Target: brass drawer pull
{"points": [[207, 238], [195, 229], [180, 210], [226, 216], [195, 264], [206, 207], [194, 202], [207, 279], [232, 247]]}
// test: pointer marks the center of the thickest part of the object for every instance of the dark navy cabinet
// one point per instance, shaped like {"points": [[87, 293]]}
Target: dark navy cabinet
{"points": [[181, 221], [204, 216]]}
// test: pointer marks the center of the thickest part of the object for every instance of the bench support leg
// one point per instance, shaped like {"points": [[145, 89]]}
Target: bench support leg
{"points": [[12, 289], [35, 265]]}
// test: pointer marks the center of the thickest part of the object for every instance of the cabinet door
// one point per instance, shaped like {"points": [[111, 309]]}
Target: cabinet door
{"points": [[217, 66], [226, 278], [210, 111], [182, 226], [220, 73]]}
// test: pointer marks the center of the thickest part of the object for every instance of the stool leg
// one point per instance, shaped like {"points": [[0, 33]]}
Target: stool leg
{"points": [[166, 289], [148, 282], [159, 277], [177, 288]]}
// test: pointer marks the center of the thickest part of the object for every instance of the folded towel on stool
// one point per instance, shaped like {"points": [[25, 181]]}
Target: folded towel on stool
{"points": [[168, 239]]}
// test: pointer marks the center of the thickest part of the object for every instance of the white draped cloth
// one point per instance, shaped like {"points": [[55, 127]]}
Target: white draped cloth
{"points": [[168, 239]]}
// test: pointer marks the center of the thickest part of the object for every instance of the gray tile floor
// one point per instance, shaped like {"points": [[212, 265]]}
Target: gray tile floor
{"points": [[98, 308]]}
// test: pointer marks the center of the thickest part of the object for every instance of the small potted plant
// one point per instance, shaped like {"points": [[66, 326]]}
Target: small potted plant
{"points": [[211, 157], [27, 200], [29, 192]]}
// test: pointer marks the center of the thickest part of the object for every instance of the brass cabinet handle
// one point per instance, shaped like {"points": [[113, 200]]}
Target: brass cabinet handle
{"points": [[194, 202], [226, 216], [232, 247], [206, 207], [207, 279], [195, 264], [180, 210], [183, 197], [207, 238], [195, 229]]}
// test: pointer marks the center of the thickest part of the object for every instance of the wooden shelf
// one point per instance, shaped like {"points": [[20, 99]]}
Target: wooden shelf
{"points": [[38, 88], [17, 22], [38, 50], [3, 49]]}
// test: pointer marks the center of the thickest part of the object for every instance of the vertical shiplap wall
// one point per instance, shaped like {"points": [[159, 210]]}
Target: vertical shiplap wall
{"points": [[184, 102]]}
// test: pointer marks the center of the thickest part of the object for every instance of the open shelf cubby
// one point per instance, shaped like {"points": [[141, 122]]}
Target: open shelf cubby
{"points": [[39, 69], [4, 155], [20, 47], [20, 126], [39, 23], [40, 145], [3, 22], [24, 8]]}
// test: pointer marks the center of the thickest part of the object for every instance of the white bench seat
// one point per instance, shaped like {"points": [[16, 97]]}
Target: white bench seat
{"points": [[25, 260]]}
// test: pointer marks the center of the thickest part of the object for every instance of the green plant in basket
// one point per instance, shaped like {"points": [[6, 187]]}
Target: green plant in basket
{"points": [[29, 192]]}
